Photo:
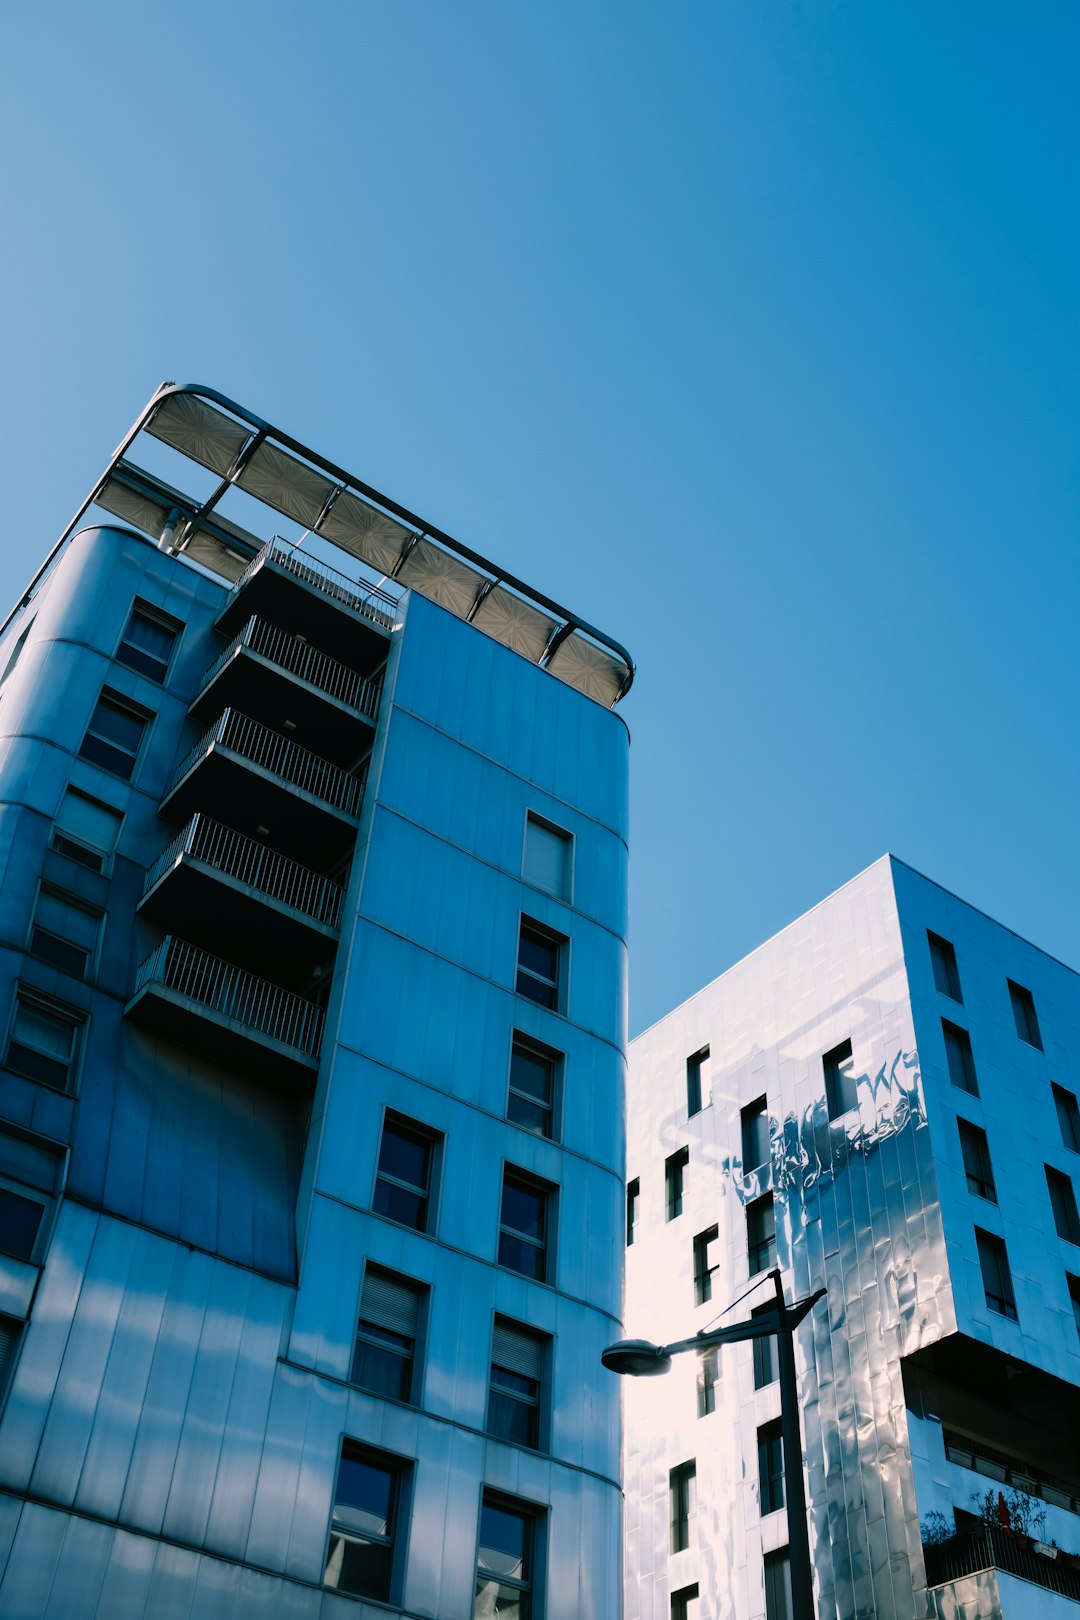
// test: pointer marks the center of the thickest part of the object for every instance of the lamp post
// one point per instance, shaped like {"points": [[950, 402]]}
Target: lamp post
{"points": [[639, 1358]]}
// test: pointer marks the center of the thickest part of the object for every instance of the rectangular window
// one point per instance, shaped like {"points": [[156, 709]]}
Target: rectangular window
{"points": [[840, 1088], [531, 1099], [943, 959], [761, 1234], [685, 1604], [1063, 1203], [997, 1278], [10, 1334], [515, 1389], [43, 1041], [114, 735], [548, 857], [764, 1354], [976, 1151], [674, 1174], [1023, 1006], [770, 1450], [755, 1135], [523, 1225], [64, 932], [698, 1081], [505, 1560], [387, 1334], [85, 830], [404, 1180], [633, 1193], [1074, 1298], [707, 1379], [778, 1585], [959, 1057], [148, 642], [367, 1507], [1068, 1114], [705, 1266], [540, 965], [682, 1485]]}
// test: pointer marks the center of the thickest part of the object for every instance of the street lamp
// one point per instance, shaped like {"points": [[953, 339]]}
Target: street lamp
{"points": [[638, 1358]]}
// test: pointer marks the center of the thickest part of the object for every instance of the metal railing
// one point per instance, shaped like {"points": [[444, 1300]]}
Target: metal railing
{"points": [[987, 1548], [221, 987], [1006, 1470], [296, 655], [324, 579], [281, 757], [250, 862]]}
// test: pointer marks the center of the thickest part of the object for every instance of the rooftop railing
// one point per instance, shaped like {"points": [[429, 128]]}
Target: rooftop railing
{"points": [[988, 1548], [281, 757], [324, 579], [233, 993], [251, 862], [298, 657]]}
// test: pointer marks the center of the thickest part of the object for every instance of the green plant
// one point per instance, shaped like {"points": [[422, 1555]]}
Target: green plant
{"points": [[1021, 1514]]}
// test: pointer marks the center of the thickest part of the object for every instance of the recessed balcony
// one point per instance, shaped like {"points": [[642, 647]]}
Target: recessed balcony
{"points": [[248, 898], [302, 594], [190, 996], [262, 782], [269, 674]]}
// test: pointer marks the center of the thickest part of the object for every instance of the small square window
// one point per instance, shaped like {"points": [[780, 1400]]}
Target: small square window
{"points": [[1063, 1203], [946, 974], [540, 965], [674, 1177], [959, 1057], [403, 1183], [706, 1265], [387, 1333], [523, 1225], [1068, 1114], [363, 1529], [515, 1390], [548, 857], [761, 1234], [841, 1088], [707, 1379], [765, 1372], [770, 1445], [698, 1081], [1023, 1006], [533, 1073], [148, 642], [682, 1487], [685, 1604], [43, 1041], [778, 1585], [506, 1559], [65, 932], [756, 1148], [997, 1278], [114, 735], [86, 830], [633, 1195]]}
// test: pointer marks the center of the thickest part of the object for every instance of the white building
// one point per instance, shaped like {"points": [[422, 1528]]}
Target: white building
{"points": [[881, 1100]]}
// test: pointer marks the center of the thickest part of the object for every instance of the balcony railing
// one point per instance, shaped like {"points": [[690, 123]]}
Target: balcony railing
{"points": [[327, 580], [298, 657], [250, 862], [222, 988], [1006, 1470], [988, 1548], [271, 751]]}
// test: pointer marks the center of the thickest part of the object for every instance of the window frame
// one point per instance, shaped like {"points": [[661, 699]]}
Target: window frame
{"points": [[765, 1352], [682, 1599], [514, 1176], [633, 1198], [37, 1001], [109, 698], [698, 1064], [400, 1472], [675, 1167], [708, 1376], [413, 1361], [79, 846], [554, 988], [841, 1087], [1068, 1114], [943, 958], [91, 953], [528, 1047], [536, 1404], [772, 1486], [164, 621], [755, 1111], [1063, 1205], [755, 1245], [703, 1271], [992, 1251], [958, 1039], [778, 1561], [527, 1585], [566, 890], [980, 1175], [682, 1505], [1024, 1013], [414, 1129]]}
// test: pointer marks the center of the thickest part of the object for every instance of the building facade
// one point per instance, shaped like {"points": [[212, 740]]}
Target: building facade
{"points": [[312, 961], [881, 1101]]}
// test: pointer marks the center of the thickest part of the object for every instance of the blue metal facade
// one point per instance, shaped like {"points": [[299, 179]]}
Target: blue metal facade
{"points": [[209, 1155]]}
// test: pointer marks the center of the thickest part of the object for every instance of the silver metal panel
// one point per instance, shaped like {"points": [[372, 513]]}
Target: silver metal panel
{"points": [[200, 431], [516, 623], [277, 478], [441, 577], [581, 663]]}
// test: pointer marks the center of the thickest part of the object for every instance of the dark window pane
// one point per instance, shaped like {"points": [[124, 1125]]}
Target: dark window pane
{"points": [[959, 1057], [1068, 1113], [771, 1467], [540, 956], [841, 1091], [761, 1234], [367, 1488], [764, 1354], [147, 646], [504, 1541], [943, 959], [523, 1209], [383, 1361], [359, 1567], [60, 953], [517, 1255], [405, 1157], [755, 1134], [20, 1220], [1023, 1006]]}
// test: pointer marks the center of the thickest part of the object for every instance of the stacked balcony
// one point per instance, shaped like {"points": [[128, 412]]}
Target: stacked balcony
{"points": [[267, 804]]}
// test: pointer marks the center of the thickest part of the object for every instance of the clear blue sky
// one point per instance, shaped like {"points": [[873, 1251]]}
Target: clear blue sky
{"points": [[748, 329]]}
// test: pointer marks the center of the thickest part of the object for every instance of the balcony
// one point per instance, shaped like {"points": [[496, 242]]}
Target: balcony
{"points": [[265, 783], [187, 995], [302, 594], [245, 896], [988, 1549], [269, 674]]}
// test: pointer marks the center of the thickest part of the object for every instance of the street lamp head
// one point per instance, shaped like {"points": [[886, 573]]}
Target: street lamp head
{"points": [[636, 1357]]}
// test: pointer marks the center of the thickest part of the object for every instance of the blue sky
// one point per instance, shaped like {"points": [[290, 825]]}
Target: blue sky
{"points": [[746, 329]]}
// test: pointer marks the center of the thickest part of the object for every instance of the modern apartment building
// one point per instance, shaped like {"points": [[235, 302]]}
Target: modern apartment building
{"points": [[881, 1101], [312, 967]]}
